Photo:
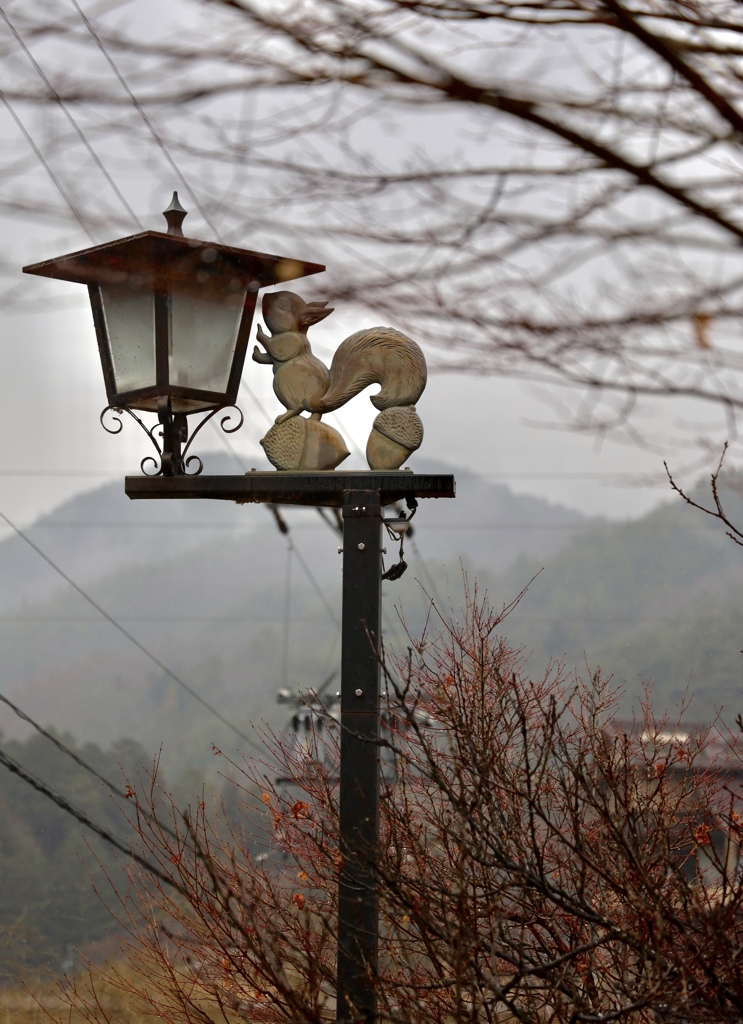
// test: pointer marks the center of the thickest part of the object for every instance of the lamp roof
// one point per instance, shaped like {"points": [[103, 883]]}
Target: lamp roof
{"points": [[145, 253]]}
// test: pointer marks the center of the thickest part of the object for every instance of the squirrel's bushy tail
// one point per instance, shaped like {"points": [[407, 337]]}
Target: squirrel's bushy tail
{"points": [[379, 355]]}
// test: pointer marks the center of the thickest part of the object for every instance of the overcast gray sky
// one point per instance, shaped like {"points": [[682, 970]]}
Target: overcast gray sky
{"points": [[52, 445]]}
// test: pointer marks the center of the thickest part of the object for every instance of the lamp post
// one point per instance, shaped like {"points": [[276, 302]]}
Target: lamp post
{"points": [[173, 316]]}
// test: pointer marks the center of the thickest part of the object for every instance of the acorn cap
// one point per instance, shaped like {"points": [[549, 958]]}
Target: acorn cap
{"points": [[401, 424], [284, 443], [300, 443]]}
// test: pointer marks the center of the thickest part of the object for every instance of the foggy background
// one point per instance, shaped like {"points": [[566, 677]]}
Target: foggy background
{"points": [[77, 173]]}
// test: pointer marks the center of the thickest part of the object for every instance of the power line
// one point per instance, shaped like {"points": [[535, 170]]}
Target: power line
{"points": [[316, 586], [256, 401], [283, 526], [413, 543], [47, 167], [462, 527], [158, 139], [287, 613], [69, 808], [132, 639], [165, 151], [624, 477], [65, 110], [125, 618], [87, 525], [64, 749], [62, 474], [424, 565], [142, 113], [588, 617]]}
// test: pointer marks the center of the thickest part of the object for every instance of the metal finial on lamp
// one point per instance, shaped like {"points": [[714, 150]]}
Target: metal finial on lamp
{"points": [[175, 214]]}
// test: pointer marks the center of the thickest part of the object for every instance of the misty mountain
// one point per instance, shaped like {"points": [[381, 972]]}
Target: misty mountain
{"points": [[101, 531], [655, 601], [219, 597], [98, 532]]}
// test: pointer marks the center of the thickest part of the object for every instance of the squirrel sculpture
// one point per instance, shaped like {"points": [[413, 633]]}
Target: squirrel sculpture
{"points": [[299, 377], [303, 383], [378, 355]]}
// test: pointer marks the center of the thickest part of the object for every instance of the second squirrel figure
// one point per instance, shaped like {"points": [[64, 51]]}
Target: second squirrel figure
{"points": [[302, 382]]}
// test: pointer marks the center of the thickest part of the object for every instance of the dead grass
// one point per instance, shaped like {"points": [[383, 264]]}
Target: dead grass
{"points": [[41, 1002]]}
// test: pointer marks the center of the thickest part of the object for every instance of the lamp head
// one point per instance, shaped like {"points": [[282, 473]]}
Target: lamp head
{"points": [[173, 316]]}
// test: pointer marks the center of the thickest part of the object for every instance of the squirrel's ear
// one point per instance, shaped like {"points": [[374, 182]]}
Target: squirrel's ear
{"points": [[312, 313]]}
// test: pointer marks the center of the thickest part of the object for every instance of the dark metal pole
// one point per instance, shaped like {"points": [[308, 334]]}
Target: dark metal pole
{"points": [[359, 769], [361, 496]]}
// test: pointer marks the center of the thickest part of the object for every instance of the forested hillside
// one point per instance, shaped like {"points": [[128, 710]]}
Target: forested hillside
{"points": [[48, 904], [221, 598], [235, 610], [658, 600]]}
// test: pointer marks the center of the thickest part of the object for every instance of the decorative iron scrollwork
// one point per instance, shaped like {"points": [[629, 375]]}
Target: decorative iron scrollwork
{"points": [[187, 459], [172, 458], [117, 425]]}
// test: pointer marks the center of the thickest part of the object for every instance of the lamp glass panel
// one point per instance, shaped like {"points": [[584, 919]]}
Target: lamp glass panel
{"points": [[130, 322], [204, 326]]}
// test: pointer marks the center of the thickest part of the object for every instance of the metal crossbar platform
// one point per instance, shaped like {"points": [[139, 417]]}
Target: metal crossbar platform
{"points": [[329, 489]]}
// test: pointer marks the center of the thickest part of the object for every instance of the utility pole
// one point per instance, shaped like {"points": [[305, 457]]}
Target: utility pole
{"points": [[358, 898], [362, 497]]}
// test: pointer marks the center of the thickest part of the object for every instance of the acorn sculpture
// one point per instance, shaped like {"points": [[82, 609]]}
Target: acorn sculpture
{"points": [[302, 383], [396, 433], [301, 443]]}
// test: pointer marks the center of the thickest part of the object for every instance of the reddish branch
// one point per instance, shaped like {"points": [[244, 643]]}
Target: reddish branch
{"points": [[540, 862]]}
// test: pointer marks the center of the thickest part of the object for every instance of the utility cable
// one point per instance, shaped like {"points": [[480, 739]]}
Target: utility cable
{"points": [[429, 577], [607, 524], [132, 639], [335, 522], [279, 519], [116, 790], [65, 110], [317, 587], [111, 786], [284, 527], [142, 113], [69, 808], [277, 515], [45, 164], [338, 526], [619, 477], [287, 613], [281, 523], [256, 400]]}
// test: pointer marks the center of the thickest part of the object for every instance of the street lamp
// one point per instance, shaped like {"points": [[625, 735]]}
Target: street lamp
{"points": [[172, 316]]}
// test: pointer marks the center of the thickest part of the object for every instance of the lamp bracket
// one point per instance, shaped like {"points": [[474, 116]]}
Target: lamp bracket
{"points": [[169, 436]]}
